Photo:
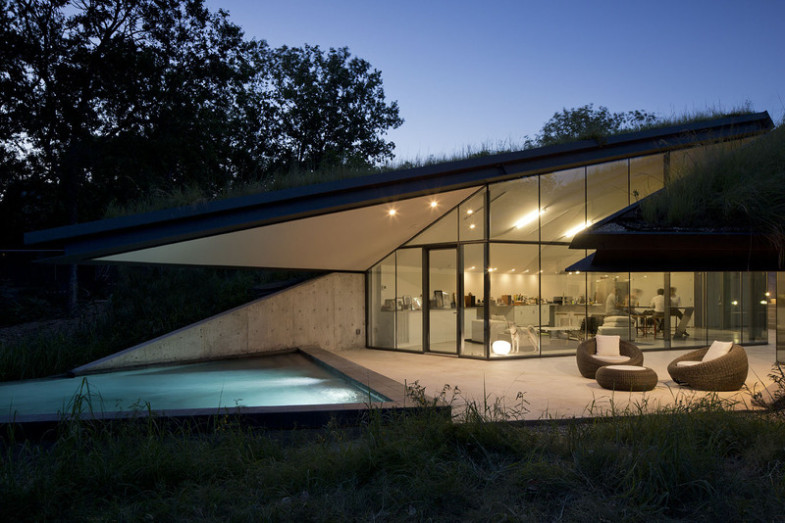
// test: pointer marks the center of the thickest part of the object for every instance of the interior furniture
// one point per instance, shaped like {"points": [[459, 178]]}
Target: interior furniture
{"points": [[725, 372], [618, 325], [589, 361], [497, 327], [626, 377]]}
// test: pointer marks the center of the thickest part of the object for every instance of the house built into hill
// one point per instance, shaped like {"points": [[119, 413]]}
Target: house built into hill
{"points": [[458, 256]]}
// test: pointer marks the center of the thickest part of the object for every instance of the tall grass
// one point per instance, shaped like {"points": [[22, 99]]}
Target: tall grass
{"points": [[740, 188], [694, 462]]}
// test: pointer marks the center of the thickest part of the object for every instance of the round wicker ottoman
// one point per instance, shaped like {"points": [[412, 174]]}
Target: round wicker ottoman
{"points": [[626, 377]]}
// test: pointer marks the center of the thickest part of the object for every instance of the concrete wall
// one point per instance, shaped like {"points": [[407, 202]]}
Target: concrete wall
{"points": [[328, 312]]}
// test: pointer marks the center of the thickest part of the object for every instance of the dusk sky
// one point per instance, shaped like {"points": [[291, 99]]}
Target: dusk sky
{"points": [[468, 73]]}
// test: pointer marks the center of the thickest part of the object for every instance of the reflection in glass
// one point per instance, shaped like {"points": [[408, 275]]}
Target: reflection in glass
{"points": [[471, 218], [606, 189], [723, 306], [563, 201], [646, 176], [755, 306], [515, 210]]}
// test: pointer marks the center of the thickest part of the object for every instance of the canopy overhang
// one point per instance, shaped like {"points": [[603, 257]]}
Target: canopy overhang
{"points": [[620, 247], [347, 225]]}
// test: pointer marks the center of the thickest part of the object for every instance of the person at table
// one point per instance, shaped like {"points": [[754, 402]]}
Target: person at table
{"points": [[634, 300], [658, 304], [675, 304]]}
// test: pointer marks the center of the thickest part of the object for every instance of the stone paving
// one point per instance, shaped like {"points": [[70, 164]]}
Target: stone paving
{"points": [[551, 387]]}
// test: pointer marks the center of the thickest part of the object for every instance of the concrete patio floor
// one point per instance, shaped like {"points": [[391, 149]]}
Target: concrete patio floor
{"points": [[552, 387]]}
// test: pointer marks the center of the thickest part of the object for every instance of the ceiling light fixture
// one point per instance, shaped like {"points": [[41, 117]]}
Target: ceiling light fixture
{"points": [[433, 204], [392, 212]]}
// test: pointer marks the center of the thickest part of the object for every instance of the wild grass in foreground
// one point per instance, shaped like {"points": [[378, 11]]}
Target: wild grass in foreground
{"points": [[694, 462]]}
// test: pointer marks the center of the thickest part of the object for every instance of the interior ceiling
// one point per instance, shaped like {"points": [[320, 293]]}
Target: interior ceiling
{"points": [[351, 240]]}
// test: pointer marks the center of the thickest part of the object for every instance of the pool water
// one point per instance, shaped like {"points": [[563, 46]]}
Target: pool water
{"points": [[291, 379]]}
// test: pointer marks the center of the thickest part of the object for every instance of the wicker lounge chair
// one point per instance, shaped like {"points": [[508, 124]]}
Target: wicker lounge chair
{"points": [[728, 372], [588, 362]]}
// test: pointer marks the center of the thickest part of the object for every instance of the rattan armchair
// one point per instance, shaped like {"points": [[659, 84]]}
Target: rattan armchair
{"points": [[588, 363], [728, 372]]}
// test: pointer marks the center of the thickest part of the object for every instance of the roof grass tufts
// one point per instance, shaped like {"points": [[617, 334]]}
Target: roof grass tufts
{"points": [[742, 188]]}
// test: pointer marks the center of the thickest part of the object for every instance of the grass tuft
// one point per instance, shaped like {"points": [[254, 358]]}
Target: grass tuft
{"points": [[739, 188], [695, 461]]}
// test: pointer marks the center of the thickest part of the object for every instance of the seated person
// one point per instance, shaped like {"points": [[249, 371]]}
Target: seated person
{"points": [[658, 305]]}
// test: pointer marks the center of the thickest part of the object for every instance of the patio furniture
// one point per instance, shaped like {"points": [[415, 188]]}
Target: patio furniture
{"points": [[589, 361], [626, 377], [723, 373]]}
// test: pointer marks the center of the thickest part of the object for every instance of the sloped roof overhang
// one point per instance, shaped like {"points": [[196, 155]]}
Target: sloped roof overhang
{"points": [[623, 243], [344, 225]]}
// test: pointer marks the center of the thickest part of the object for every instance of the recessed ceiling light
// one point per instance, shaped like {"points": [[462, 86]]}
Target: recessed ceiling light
{"points": [[433, 204], [469, 211], [472, 226], [392, 212]]}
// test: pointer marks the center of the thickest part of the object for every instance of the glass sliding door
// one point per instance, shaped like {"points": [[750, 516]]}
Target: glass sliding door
{"points": [[442, 304]]}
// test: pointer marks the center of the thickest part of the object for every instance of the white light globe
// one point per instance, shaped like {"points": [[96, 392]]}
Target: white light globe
{"points": [[501, 347]]}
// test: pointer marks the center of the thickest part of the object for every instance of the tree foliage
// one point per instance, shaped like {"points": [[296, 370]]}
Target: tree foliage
{"points": [[586, 122], [103, 102], [331, 108]]}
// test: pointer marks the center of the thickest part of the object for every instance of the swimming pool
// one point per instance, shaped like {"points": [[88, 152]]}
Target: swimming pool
{"points": [[291, 381]]}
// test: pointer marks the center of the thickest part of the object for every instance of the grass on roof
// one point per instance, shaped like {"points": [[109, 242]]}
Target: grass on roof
{"points": [[741, 188], [190, 195]]}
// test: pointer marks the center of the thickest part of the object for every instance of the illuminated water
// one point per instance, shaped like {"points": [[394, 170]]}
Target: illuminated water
{"points": [[280, 380]]}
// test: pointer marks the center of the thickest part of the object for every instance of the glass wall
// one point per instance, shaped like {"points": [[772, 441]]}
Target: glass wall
{"points": [[488, 279], [513, 303], [515, 210], [408, 289], [563, 201], [381, 304], [474, 300]]}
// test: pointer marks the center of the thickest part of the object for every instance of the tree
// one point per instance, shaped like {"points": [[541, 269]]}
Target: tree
{"points": [[103, 102], [586, 122], [331, 109]]}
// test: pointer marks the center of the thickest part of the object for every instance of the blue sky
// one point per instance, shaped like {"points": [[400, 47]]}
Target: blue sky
{"points": [[471, 73]]}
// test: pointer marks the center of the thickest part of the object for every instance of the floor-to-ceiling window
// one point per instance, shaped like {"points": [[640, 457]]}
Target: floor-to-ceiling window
{"points": [[487, 279]]}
